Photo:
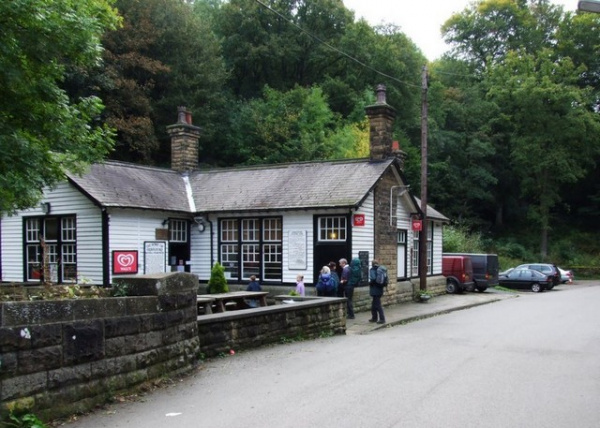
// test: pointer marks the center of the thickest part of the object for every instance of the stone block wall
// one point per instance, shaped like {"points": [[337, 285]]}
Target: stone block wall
{"points": [[67, 356], [252, 328]]}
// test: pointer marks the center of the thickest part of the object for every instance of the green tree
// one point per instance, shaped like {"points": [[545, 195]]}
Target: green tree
{"points": [[290, 126], [486, 31], [554, 133], [164, 56], [43, 132]]}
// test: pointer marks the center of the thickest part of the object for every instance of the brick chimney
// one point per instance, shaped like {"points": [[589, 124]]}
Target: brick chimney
{"points": [[184, 142], [381, 120]]}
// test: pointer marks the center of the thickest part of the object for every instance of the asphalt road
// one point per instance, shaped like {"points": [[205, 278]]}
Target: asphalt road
{"points": [[532, 361]]}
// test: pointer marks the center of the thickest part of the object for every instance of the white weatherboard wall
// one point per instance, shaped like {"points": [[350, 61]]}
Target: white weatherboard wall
{"points": [[64, 200], [363, 236], [437, 247], [129, 229]]}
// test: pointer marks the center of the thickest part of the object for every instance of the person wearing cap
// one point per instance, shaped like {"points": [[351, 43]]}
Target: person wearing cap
{"points": [[375, 291]]}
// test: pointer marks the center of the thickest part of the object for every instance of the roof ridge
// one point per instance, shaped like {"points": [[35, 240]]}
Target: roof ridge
{"points": [[288, 164]]}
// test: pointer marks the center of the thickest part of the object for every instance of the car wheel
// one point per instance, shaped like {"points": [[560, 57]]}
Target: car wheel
{"points": [[536, 288], [549, 286], [452, 287], [481, 289]]}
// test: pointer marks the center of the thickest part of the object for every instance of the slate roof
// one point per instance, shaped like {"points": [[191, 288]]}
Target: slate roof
{"points": [[124, 185], [311, 185], [432, 213], [308, 185], [325, 184]]}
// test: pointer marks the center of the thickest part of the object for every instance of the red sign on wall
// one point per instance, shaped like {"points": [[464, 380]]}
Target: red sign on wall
{"points": [[125, 262], [417, 225], [358, 220]]}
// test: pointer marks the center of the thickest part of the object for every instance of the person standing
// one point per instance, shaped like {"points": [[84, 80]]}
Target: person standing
{"points": [[300, 285], [376, 291], [354, 278], [335, 277], [325, 285], [344, 277], [253, 286]]}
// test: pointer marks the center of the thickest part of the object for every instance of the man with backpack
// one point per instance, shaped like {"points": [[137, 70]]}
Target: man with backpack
{"points": [[378, 279]]}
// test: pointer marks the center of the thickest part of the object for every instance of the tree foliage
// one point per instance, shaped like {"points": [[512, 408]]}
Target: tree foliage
{"points": [[43, 133]]}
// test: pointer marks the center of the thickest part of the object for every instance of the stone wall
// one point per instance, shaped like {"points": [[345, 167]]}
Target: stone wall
{"points": [[67, 356], [252, 328]]}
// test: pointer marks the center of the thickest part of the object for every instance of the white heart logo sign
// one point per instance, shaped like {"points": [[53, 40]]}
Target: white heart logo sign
{"points": [[125, 260]]}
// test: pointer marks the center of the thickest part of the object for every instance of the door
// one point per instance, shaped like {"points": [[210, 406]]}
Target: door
{"points": [[402, 254], [332, 242]]}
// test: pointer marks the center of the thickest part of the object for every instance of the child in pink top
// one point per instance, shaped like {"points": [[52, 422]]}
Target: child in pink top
{"points": [[300, 285]]}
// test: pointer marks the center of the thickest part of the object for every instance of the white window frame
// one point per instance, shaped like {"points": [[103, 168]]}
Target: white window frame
{"points": [[332, 229]]}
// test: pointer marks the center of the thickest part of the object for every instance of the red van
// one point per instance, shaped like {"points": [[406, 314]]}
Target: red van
{"points": [[458, 271]]}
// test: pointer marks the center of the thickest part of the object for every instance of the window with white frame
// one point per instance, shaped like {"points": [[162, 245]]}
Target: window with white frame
{"points": [[178, 230], [332, 228], [51, 248], [272, 249], [402, 237], [229, 249], [415, 253], [69, 249], [252, 246]]}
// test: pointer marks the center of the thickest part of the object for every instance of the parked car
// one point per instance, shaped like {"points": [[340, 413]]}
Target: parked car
{"points": [[522, 278], [458, 271], [485, 269], [566, 276], [545, 268]]}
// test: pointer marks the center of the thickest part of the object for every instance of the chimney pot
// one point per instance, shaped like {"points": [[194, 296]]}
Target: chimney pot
{"points": [[381, 121], [381, 92]]}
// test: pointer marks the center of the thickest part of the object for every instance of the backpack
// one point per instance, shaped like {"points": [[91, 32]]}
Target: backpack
{"points": [[381, 276], [326, 283]]}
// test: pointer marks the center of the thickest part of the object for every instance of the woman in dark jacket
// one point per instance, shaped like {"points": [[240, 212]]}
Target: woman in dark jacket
{"points": [[375, 291]]}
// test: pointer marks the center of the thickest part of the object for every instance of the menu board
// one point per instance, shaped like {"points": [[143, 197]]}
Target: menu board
{"points": [[155, 257], [297, 249], [364, 266]]}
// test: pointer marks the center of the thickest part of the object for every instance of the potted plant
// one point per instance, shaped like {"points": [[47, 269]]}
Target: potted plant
{"points": [[422, 296]]}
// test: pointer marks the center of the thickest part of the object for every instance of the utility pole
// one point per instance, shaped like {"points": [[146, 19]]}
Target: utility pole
{"points": [[423, 232]]}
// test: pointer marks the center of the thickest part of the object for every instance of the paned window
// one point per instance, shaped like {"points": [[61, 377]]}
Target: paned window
{"points": [[178, 230], [415, 255], [332, 228], [51, 247], [252, 246]]}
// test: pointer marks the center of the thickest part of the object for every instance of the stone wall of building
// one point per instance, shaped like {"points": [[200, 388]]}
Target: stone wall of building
{"points": [[67, 356]]}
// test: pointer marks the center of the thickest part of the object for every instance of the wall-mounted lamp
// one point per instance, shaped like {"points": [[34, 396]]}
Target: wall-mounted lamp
{"points": [[165, 222], [45, 206], [200, 222]]}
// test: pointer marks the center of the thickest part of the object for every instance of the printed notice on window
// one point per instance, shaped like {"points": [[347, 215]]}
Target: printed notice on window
{"points": [[155, 257], [297, 249]]}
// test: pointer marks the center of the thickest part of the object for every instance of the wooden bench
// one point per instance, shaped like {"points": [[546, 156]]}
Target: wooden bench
{"points": [[205, 303]]}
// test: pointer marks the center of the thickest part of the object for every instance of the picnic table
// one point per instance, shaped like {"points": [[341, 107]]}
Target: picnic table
{"points": [[222, 300]]}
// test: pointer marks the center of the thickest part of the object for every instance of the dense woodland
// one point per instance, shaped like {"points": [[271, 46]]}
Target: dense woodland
{"points": [[513, 119]]}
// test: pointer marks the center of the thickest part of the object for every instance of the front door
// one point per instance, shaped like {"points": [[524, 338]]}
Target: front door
{"points": [[332, 242]]}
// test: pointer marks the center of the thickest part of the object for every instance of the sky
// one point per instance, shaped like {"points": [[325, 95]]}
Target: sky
{"points": [[420, 20]]}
